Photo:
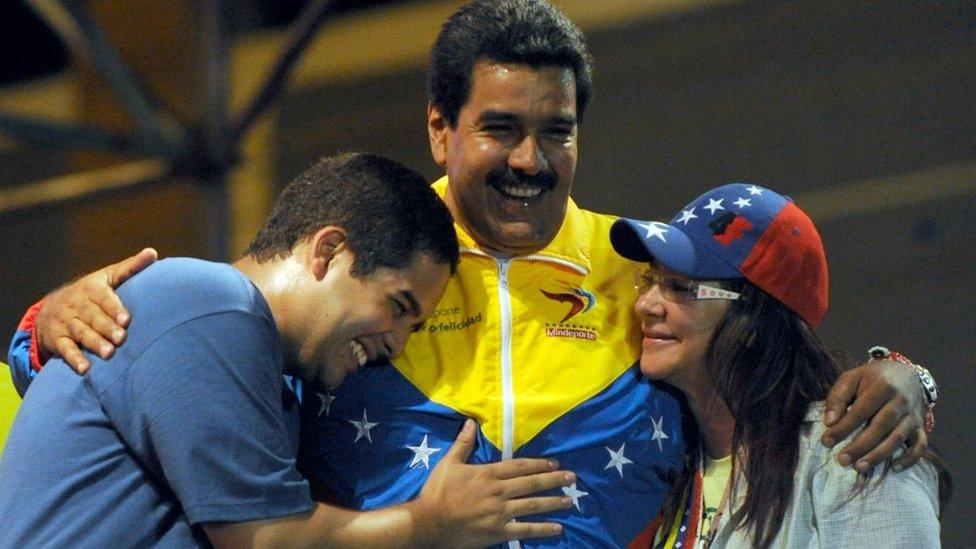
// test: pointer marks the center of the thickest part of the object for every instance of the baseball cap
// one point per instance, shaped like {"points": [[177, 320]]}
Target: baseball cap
{"points": [[739, 230]]}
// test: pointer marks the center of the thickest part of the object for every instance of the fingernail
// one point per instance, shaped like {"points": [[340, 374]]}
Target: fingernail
{"points": [[827, 441], [117, 336], [829, 418], [845, 459], [898, 467], [105, 350], [553, 464], [569, 478], [122, 318], [566, 500], [863, 466]]}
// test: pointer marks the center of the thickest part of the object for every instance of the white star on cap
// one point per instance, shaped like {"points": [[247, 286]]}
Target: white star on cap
{"points": [[686, 216], [714, 205], [574, 493], [326, 404], [742, 202], [655, 229], [754, 190], [362, 428], [421, 454], [617, 459], [659, 433]]}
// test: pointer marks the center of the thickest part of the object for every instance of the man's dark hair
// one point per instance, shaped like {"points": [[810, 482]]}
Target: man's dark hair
{"points": [[389, 213], [508, 31]]}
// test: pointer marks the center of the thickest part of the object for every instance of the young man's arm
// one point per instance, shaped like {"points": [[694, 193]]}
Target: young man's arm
{"points": [[461, 505]]}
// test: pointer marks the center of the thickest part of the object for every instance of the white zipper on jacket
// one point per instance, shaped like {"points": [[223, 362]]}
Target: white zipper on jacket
{"points": [[505, 309], [508, 392]]}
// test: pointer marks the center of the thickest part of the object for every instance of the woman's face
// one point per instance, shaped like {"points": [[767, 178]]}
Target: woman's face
{"points": [[676, 326]]}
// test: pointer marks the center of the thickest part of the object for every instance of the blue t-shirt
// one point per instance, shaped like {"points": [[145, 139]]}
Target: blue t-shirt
{"points": [[189, 422]]}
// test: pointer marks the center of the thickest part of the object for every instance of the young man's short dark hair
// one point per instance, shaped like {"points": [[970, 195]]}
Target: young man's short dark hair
{"points": [[509, 31], [389, 212]]}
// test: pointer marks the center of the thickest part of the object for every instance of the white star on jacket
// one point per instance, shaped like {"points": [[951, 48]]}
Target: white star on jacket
{"points": [[743, 202], [686, 216], [575, 493], [421, 454], [659, 433], [362, 428], [754, 190], [326, 404], [617, 459], [714, 205], [655, 229]]}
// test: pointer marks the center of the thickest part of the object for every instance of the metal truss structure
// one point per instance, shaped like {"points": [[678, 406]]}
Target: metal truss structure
{"points": [[206, 152]]}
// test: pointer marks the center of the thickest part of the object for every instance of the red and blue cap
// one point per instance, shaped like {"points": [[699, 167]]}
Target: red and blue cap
{"points": [[738, 230]]}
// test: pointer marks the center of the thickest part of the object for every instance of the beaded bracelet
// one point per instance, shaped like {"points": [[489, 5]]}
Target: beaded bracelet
{"points": [[929, 387]]}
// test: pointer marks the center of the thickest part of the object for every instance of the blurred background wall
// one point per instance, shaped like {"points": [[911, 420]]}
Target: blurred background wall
{"points": [[863, 112]]}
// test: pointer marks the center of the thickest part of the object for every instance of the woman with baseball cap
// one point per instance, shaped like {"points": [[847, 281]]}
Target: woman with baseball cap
{"points": [[734, 286]]}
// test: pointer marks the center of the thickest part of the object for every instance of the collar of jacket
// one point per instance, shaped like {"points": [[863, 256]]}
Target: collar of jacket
{"points": [[572, 242]]}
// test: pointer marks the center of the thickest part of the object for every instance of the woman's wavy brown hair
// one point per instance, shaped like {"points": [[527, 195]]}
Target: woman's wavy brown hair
{"points": [[768, 366]]}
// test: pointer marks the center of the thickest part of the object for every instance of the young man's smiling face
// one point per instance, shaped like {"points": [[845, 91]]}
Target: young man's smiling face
{"points": [[356, 319], [511, 157]]}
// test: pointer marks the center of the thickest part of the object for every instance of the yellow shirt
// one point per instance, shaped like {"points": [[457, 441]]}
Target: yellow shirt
{"points": [[714, 480]]}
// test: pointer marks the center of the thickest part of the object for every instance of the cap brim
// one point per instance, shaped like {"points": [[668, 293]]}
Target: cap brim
{"points": [[668, 246]]}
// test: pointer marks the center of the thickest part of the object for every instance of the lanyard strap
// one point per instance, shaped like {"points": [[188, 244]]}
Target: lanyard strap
{"points": [[704, 542]]}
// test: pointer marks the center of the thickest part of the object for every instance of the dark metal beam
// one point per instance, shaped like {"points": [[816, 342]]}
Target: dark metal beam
{"points": [[83, 36], [83, 185], [214, 36], [303, 30], [216, 147], [66, 135]]}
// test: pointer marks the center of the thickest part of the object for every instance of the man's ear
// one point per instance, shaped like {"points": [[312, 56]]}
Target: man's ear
{"points": [[437, 127], [326, 243]]}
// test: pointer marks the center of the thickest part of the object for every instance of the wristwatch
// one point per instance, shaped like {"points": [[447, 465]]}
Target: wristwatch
{"points": [[929, 388]]}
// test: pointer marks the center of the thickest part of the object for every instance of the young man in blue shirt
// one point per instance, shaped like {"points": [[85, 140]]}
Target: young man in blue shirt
{"points": [[187, 436]]}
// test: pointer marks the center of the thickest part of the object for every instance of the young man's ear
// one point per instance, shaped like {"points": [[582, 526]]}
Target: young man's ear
{"points": [[326, 243], [437, 127]]}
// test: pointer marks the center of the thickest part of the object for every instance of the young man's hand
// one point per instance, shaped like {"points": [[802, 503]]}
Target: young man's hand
{"points": [[464, 505], [87, 312], [887, 397]]}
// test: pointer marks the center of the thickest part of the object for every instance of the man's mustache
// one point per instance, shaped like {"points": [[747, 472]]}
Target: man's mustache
{"points": [[507, 177]]}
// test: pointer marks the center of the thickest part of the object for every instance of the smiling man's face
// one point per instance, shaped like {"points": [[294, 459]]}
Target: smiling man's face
{"points": [[511, 158], [365, 318]]}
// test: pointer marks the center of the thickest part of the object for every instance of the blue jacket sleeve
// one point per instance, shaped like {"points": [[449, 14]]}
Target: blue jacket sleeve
{"points": [[23, 352]]}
